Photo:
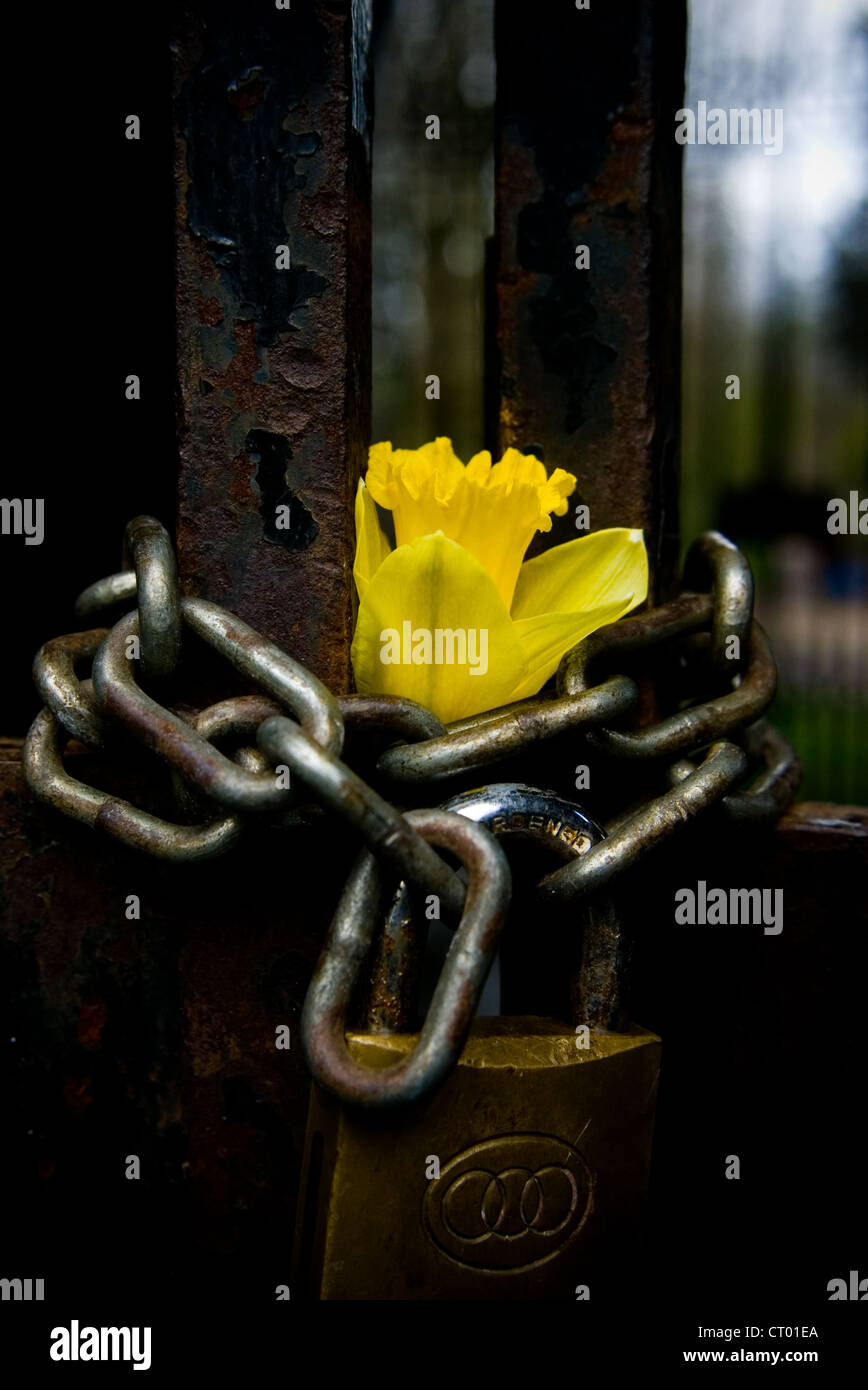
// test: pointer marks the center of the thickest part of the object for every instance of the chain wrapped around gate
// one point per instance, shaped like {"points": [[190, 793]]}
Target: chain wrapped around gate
{"points": [[295, 723]]}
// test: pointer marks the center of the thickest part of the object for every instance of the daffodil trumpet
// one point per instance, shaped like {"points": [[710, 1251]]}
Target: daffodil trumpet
{"points": [[453, 616]]}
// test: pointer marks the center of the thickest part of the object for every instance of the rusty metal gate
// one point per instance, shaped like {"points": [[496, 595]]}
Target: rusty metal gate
{"points": [[154, 1037]]}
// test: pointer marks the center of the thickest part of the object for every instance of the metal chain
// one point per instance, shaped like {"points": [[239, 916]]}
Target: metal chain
{"points": [[298, 726], [427, 752]]}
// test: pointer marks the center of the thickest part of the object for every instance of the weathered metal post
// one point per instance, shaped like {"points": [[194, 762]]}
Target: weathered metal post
{"points": [[272, 169], [587, 261]]}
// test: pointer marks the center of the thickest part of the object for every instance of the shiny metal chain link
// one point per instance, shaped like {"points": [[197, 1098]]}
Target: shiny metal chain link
{"points": [[324, 1018]]}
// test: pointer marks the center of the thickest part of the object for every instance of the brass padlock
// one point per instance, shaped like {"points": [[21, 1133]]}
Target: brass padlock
{"points": [[523, 1175]]}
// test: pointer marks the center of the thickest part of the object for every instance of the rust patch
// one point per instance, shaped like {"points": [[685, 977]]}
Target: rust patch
{"points": [[91, 1021]]}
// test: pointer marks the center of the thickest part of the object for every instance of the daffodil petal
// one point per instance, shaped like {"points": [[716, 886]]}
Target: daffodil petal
{"points": [[590, 572], [431, 585], [490, 510], [371, 545], [545, 638], [417, 485]]}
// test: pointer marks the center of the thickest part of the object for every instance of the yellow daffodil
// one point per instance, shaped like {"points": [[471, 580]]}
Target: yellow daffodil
{"points": [[452, 617]]}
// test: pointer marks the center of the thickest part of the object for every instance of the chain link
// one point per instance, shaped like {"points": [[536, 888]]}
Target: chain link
{"points": [[43, 766], [774, 788], [690, 728], [177, 742], [323, 1021], [149, 548], [632, 838], [71, 700], [501, 734], [713, 558]]}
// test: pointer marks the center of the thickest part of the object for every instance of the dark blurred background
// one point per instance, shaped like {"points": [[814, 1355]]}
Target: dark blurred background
{"points": [[775, 288]]}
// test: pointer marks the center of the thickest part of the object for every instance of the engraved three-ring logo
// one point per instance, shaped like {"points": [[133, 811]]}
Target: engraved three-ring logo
{"points": [[509, 1202]]}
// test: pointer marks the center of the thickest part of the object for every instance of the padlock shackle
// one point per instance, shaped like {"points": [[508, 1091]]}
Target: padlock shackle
{"points": [[515, 810], [512, 810]]}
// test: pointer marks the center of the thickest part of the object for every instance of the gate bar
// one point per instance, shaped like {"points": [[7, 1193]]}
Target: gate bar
{"points": [[587, 366], [273, 151]]}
